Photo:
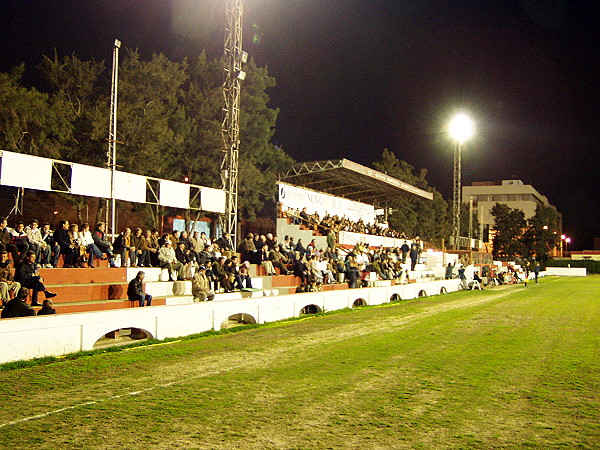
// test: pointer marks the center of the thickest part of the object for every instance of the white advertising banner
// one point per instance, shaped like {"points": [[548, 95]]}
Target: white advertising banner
{"points": [[174, 194], [297, 198], [26, 171], [90, 181], [212, 200], [130, 187]]}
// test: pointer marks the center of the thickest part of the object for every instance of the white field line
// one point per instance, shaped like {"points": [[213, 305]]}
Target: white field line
{"points": [[402, 321]]}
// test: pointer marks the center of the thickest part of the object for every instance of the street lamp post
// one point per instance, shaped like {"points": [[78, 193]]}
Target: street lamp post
{"points": [[460, 128]]}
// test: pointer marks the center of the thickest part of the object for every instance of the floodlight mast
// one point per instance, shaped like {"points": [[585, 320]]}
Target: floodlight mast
{"points": [[112, 134], [230, 129], [460, 128]]}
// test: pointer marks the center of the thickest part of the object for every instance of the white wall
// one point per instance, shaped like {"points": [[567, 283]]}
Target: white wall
{"points": [[55, 335]]}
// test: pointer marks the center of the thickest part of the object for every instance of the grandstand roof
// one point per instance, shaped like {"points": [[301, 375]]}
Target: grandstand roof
{"points": [[351, 180]]}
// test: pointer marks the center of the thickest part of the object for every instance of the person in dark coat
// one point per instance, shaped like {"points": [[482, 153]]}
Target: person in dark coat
{"points": [[46, 308], [28, 275], [414, 255], [135, 290], [17, 306], [62, 238]]}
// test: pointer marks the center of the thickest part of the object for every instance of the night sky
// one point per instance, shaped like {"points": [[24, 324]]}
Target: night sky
{"points": [[355, 77]]}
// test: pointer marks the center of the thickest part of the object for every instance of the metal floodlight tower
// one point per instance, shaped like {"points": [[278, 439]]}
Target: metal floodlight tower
{"points": [[112, 133], [460, 128], [230, 130]]}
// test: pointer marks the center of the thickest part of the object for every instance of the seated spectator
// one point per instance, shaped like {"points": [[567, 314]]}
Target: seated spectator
{"points": [[17, 306], [28, 275], [151, 246], [20, 238], [76, 245], [168, 260], [46, 308], [248, 249], [122, 246], [139, 252], [271, 241], [201, 286], [7, 281], [53, 247], [37, 244], [301, 269], [184, 257], [6, 241], [87, 241], [243, 272], [279, 260], [221, 275], [225, 243], [135, 290], [301, 249], [174, 238], [62, 238], [102, 243]]}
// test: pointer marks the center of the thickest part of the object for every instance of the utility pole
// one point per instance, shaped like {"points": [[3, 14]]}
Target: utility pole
{"points": [[230, 129], [456, 202]]}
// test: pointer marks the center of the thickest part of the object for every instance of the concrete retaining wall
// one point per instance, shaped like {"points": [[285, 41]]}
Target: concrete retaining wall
{"points": [[55, 335]]}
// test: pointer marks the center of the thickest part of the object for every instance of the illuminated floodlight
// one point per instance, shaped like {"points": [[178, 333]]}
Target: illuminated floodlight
{"points": [[461, 128]]}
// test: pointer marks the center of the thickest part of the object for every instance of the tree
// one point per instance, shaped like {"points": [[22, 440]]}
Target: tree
{"points": [[411, 215], [543, 233], [509, 225]]}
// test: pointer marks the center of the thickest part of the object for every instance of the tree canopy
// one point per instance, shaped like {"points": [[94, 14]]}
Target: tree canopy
{"points": [[169, 120]]}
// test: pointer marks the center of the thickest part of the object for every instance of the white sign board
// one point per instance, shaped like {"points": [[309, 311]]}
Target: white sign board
{"points": [[90, 181], [130, 187], [297, 198], [174, 194], [26, 171], [212, 200]]}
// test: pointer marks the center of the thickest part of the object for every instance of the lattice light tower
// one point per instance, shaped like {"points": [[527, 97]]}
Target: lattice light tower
{"points": [[230, 130], [461, 128]]}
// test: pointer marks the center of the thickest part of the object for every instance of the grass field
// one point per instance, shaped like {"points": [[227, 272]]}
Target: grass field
{"points": [[506, 367]]}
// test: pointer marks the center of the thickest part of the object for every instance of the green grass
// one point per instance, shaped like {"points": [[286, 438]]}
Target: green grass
{"points": [[510, 367]]}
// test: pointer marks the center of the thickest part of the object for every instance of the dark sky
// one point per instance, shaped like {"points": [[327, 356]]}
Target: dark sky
{"points": [[355, 77]]}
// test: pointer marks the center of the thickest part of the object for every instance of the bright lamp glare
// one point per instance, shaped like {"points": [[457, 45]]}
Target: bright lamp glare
{"points": [[461, 128]]}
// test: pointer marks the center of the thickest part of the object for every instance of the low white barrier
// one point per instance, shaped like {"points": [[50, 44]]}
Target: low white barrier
{"points": [[567, 271], [55, 335]]}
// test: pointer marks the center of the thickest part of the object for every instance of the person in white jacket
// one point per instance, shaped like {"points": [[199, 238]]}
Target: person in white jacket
{"points": [[37, 243]]}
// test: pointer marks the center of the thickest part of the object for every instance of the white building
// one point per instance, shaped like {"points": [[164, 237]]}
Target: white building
{"points": [[513, 193]]}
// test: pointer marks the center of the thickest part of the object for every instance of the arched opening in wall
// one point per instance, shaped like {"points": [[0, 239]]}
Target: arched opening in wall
{"points": [[310, 309], [395, 297], [422, 293], [443, 290], [359, 302], [235, 320], [122, 336]]}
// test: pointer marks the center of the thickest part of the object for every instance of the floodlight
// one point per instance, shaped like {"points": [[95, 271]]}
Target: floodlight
{"points": [[461, 128]]}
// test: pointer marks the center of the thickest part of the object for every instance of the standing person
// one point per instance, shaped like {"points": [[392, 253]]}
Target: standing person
{"points": [[536, 271], [17, 306], [449, 270], [135, 290], [404, 249], [7, 281], [102, 243], [414, 255], [29, 276], [201, 286], [331, 240]]}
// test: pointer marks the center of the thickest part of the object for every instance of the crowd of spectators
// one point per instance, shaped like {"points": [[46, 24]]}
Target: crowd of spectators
{"points": [[316, 266], [336, 223]]}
